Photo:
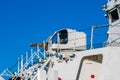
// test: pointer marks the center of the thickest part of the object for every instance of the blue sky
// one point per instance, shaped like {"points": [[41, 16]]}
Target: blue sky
{"points": [[27, 21]]}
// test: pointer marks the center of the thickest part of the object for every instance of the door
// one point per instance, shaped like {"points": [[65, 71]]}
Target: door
{"points": [[90, 67]]}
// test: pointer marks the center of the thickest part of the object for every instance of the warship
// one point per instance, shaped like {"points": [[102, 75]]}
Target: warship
{"points": [[64, 55]]}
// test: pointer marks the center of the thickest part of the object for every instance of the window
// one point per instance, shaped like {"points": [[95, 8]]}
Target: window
{"points": [[63, 36], [114, 15], [54, 39]]}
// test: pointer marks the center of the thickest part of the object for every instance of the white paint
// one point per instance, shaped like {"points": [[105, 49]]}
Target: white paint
{"points": [[108, 70], [76, 40], [41, 75], [1, 78], [90, 68]]}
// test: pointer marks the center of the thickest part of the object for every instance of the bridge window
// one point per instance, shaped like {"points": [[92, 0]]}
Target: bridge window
{"points": [[114, 15], [54, 39], [63, 36]]}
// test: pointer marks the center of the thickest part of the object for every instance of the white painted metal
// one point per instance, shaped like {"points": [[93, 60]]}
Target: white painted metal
{"points": [[108, 70], [21, 63], [52, 75], [19, 66], [91, 40], [90, 70], [76, 40], [6, 72], [1, 78], [114, 33], [81, 66], [112, 3], [42, 75]]}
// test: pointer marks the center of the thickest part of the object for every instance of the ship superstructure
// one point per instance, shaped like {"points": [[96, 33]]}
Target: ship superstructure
{"points": [[113, 13], [65, 55]]}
